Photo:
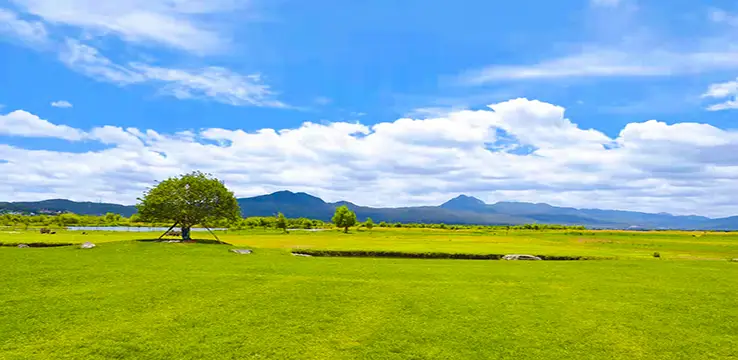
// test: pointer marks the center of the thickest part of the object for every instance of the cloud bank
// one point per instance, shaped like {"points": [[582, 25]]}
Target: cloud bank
{"points": [[521, 149]]}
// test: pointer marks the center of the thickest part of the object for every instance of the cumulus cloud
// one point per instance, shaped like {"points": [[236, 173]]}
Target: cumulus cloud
{"points": [[179, 24], [61, 104], [22, 123], [649, 166]]}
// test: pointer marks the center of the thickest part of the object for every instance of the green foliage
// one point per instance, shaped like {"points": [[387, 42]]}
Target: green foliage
{"points": [[188, 200], [369, 223], [344, 218], [281, 222]]}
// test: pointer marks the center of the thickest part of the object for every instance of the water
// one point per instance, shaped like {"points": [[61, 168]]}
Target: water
{"points": [[133, 228]]}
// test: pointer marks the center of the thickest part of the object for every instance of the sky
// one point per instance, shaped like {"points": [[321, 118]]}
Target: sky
{"points": [[613, 104]]}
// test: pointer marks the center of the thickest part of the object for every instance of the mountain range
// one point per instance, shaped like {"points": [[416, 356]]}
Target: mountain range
{"points": [[460, 210]]}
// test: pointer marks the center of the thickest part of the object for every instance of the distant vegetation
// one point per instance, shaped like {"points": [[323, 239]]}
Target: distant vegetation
{"points": [[461, 210], [20, 221]]}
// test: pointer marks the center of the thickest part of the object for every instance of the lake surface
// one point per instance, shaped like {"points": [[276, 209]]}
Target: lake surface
{"points": [[132, 228]]}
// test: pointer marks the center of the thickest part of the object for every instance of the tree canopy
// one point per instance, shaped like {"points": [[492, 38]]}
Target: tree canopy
{"points": [[369, 223], [188, 200], [281, 222], [344, 218]]}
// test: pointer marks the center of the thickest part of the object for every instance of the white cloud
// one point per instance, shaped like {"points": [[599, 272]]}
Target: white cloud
{"points": [[11, 25], [606, 3], [610, 63], [727, 105], [649, 166], [180, 24], [322, 100], [721, 91], [61, 104], [89, 61], [639, 51], [214, 83], [22, 123], [723, 17]]}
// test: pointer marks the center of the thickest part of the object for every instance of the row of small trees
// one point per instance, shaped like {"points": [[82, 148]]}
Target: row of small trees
{"points": [[256, 222]]}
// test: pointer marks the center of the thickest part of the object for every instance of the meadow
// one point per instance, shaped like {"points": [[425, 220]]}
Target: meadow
{"points": [[127, 299]]}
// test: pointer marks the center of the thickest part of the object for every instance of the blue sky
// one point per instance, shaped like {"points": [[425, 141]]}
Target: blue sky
{"points": [[381, 103]]}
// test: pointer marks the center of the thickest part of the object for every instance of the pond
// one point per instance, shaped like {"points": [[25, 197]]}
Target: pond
{"points": [[132, 228]]}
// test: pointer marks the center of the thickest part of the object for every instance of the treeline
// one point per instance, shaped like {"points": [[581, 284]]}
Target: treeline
{"points": [[479, 227], [265, 222]]}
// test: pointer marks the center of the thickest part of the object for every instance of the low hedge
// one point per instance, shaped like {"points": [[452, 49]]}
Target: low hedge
{"points": [[37, 244], [426, 255]]}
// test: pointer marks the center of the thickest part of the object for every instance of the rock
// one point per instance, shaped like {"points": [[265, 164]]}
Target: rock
{"points": [[87, 245], [734, 260], [173, 241], [298, 254], [241, 251], [23, 246], [520, 257]]}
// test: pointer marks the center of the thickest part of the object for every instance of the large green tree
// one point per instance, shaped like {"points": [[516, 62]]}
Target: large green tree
{"points": [[344, 218], [188, 200]]}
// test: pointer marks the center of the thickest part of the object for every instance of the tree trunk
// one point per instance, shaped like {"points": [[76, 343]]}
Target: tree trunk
{"points": [[345, 230], [186, 233]]}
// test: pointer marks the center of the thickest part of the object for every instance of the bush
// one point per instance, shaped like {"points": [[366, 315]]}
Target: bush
{"points": [[427, 255]]}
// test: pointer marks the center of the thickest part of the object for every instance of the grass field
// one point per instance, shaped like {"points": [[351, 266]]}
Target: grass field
{"points": [[136, 300]]}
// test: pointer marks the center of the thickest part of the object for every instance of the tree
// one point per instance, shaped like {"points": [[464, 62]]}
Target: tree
{"points": [[369, 223], [188, 200], [344, 218], [281, 222]]}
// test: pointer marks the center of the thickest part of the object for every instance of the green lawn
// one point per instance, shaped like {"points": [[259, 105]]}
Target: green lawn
{"points": [[136, 300], [621, 244]]}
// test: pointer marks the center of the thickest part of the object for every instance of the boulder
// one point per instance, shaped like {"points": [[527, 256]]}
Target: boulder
{"points": [[23, 246], [734, 260], [87, 245], [520, 257], [298, 254], [241, 251]]}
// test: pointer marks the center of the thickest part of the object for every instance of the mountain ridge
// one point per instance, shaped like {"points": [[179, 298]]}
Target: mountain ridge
{"points": [[462, 209]]}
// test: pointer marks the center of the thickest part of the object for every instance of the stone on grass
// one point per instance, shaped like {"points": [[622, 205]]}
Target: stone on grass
{"points": [[173, 241], [87, 245], [241, 251], [298, 254], [734, 260], [520, 257], [23, 246]]}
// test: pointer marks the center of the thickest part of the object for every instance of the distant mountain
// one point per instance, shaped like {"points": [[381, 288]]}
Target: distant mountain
{"points": [[62, 205], [459, 210], [292, 205], [464, 203]]}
